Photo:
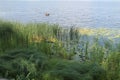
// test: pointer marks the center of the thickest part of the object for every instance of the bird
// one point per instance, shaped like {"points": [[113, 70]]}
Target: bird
{"points": [[47, 14]]}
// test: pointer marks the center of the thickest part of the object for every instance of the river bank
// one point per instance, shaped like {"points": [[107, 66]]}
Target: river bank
{"points": [[40, 51]]}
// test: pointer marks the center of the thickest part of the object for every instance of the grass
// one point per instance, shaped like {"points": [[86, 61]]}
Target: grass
{"points": [[39, 51]]}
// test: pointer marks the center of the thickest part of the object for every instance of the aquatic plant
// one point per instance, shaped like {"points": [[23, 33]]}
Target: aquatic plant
{"points": [[22, 63], [112, 66], [48, 52]]}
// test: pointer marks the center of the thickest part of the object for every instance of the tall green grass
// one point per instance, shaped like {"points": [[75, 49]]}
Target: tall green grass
{"points": [[29, 64], [39, 51]]}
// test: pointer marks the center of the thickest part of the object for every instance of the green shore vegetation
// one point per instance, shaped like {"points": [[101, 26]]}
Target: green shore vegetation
{"points": [[40, 51]]}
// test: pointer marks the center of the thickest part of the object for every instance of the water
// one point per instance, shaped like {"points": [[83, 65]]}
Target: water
{"points": [[64, 13]]}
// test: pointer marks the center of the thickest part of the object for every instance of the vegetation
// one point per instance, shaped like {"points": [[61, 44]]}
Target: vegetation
{"points": [[39, 51]]}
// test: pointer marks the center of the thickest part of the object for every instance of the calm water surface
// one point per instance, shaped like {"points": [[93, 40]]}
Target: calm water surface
{"points": [[72, 13]]}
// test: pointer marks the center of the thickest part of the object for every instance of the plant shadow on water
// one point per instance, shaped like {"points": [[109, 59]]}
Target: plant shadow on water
{"points": [[48, 52]]}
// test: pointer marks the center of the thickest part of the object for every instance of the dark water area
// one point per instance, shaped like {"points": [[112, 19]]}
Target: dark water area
{"points": [[65, 13]]}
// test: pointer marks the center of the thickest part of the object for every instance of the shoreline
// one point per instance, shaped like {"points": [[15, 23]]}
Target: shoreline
{"points": [[40, 51]]}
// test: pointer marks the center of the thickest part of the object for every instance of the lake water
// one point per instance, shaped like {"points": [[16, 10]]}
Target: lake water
{"points": [[65, 13]]}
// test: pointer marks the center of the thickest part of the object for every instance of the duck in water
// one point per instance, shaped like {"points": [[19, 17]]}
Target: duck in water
{"points": [[47, 14]]}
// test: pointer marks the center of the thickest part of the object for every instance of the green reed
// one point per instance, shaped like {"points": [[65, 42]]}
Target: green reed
{"points": [[54, 42]]}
